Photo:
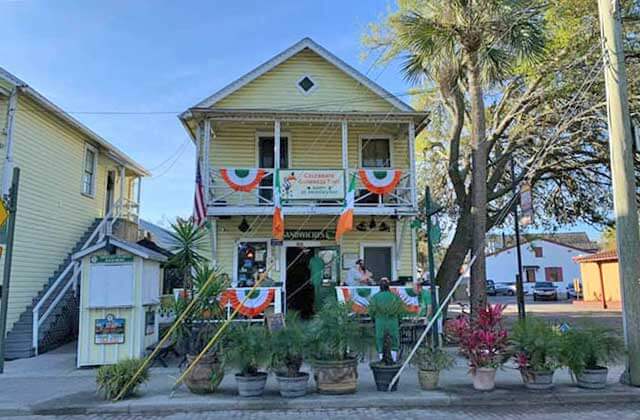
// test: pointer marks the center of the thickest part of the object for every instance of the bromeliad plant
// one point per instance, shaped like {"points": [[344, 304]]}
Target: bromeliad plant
{"points": [[482, 340], [536, 346], [112, 379]]}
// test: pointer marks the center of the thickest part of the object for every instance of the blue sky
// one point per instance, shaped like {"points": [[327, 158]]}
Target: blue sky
{"points": [[164, 56]]}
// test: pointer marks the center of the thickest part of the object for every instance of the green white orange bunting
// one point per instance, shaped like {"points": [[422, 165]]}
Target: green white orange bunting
{"points": [[380, 181], [243, 180], [359, 297], [255, 304]]}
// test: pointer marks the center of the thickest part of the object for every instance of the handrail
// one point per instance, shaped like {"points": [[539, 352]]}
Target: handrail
{"points": [[103, 229]]}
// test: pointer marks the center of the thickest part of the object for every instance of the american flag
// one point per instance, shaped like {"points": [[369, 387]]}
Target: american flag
{"points": [[199, 208]]}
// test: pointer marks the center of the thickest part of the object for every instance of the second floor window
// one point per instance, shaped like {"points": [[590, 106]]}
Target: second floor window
{"points": [[537, 251], [376, 153], [89, 171]]}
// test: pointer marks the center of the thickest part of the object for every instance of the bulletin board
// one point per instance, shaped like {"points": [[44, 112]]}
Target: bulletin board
{"points": [[111, 285]]}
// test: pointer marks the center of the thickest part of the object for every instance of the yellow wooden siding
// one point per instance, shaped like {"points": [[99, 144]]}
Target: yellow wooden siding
{"points": [[52, 212], [277, 89], [228, 235]]}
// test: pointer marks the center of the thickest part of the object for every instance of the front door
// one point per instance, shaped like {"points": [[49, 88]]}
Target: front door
{"points": [[265, 160], [111, 181], [299, 289]]}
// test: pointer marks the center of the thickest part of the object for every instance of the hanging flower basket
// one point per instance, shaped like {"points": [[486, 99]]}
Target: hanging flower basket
{"points": [[242, 180], [380, 181]]}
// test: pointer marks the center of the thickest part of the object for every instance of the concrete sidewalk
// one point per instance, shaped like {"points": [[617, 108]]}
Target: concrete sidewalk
{"points": [[50, 384]]}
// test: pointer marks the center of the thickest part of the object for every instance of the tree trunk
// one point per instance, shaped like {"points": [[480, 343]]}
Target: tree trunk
{"points": [[478, 185]]}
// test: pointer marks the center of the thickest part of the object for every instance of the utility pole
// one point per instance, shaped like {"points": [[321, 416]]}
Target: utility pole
{"points": [[12, 206], [432, 270], [516, 222], [623, 180]]}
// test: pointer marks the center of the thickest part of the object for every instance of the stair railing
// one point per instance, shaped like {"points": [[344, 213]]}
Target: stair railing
{"points": [[103, 229]]}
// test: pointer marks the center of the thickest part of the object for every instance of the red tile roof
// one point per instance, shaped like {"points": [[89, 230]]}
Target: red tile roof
{"points": [[609, 255]]}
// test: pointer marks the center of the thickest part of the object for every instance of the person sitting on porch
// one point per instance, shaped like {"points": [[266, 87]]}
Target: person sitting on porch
{"points": [[387, 324], [358, 275]]}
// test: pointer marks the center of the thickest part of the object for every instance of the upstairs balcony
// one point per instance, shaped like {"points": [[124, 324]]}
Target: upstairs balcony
{"points": [[250, 191]]}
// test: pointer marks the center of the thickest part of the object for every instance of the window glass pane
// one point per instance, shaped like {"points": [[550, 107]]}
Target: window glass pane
{"points": [[252, 260], [89, 162], [376, 153]]}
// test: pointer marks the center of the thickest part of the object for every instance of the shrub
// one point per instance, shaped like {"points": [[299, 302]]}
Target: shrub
{"points": [[288, 346], [482, 340], [590, 348], [432, 359], [248, 348], [112, 379], [536, 345]]}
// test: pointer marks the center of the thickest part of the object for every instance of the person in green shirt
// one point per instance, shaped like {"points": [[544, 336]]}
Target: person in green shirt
{"points": [[316, 268], [386, 315]]}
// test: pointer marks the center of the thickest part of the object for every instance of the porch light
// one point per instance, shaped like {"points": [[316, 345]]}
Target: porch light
{"points": [[361, 227], [372, 223], [384, 227], [243, 226]]}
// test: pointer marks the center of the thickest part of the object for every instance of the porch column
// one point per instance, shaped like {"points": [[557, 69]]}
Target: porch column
{"points": [[122, 180], [139, 194], [276, 148], [204, 168], [345, 144], [412, 163]]}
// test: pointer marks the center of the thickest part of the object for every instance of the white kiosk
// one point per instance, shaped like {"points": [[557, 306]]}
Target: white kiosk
{"points": [[119, 297]]}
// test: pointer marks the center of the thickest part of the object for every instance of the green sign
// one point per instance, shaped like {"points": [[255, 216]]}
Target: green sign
{"points": [[111, 259]]}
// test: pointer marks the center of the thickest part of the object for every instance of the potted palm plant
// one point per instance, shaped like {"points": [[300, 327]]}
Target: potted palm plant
{"points": [[288, 349], [189, 249], [249, 350], [335, 338], [430, 361], [199, 326], [536, 349], [588, 351], [483, 341]]}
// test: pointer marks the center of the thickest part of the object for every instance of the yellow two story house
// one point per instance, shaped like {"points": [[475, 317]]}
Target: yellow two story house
{"points": [[74, 187], [311, 126]]}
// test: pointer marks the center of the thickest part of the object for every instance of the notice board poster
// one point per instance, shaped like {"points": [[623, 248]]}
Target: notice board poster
{"points": [[110, 330], [305, 184]]}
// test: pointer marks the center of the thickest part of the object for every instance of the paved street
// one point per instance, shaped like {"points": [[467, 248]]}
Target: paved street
{"points": [[583, 412]]}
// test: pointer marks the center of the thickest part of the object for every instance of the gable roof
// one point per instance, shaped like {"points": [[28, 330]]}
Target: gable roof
{"points": [[290, 52], [135, 249], [608, 255], [112, 150], [525, 241], [578, 240]]}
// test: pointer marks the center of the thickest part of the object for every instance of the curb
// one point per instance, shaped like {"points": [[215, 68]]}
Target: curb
{"points": [[451, 399]]}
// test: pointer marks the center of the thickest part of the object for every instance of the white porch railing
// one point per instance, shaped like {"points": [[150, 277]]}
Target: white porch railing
{"points": [[60, 285], [401, 196], [222, 195]]}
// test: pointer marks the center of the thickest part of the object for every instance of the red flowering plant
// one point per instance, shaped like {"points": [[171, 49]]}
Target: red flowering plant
{"points": [[483, 340]]}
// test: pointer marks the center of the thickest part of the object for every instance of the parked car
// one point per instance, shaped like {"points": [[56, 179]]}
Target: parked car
{"points": [[572, 293], [502, 289], [491, 288], [545, 290]]}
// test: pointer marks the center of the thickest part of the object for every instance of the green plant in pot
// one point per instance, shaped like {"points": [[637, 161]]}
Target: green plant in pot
{"points": [[536, 347], [288, 349], [249, 350], [430, 361], [588, 351], [335, 338], [195, 331], [112, 379], [386, 309]]}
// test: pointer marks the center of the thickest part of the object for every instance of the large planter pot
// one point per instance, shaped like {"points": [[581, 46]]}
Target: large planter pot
{"points": [[206, 375], [484, 379], [292, 387], [428, 379], [336, 377], [251, 386], [383, 374], [593, 378], [537, 379]]}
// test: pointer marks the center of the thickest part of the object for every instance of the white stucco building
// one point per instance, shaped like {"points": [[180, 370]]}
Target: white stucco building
{"points": [[542, 260]]}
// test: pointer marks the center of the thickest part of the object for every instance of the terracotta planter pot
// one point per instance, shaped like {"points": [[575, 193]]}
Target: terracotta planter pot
{"points": [[428, 379], [205, 377], [251, 386], [292, 387], [537, 379], [383, 375], [484, 379], [336, 377], [593, 378]]}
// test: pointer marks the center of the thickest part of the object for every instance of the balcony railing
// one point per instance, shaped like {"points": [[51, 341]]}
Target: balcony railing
{"points": [[318, 188]]}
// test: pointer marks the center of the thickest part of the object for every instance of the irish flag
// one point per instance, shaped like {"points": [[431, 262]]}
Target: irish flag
{"points": [[277, 229], [345, 223]]}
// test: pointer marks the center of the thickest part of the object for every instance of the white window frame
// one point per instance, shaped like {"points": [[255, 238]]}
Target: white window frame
{"points": [[92, 193], [364, 137], [310, 91], [234, 276], [382, 244]]}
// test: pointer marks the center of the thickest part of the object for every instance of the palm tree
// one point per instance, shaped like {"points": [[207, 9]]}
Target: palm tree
{"points": [[466, 45], [189, 250]]}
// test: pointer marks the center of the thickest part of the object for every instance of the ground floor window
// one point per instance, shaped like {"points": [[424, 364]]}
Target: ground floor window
{"points": [[252, 262], [379, 260], [553, 274], [530, 274]]}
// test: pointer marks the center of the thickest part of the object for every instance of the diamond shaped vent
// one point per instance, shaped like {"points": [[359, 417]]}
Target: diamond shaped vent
{"points": [[306, 84]]}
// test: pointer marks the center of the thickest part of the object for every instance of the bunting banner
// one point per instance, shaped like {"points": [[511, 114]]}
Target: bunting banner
{"points": [[409, 297], [243, 180], [255, 304], [380, 181], [359, 300]]}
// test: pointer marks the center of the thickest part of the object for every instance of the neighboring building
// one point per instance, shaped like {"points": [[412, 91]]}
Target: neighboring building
{"points": [[70, 179], [542, 260], [600, 279], [580, 240], [323, 120]]}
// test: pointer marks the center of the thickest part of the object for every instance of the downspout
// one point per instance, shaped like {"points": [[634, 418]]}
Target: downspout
{"points": [[604, 299], [8, 163]]}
